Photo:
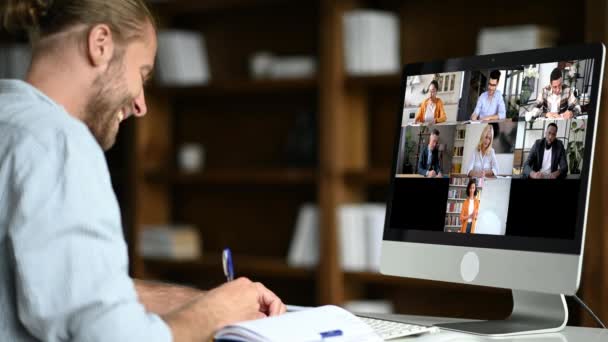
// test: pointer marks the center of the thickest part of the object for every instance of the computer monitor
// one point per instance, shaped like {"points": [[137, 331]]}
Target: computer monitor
{"points": [[491, 177]]}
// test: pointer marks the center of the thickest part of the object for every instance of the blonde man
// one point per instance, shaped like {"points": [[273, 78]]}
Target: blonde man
{"points": [[63, 269], [483, 162]]}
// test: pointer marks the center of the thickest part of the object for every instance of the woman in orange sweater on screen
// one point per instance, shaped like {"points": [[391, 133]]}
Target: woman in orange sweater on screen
{"points": [[470, 209], [431, 109]]}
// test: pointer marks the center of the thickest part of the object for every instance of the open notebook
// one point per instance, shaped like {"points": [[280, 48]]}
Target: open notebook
{"points": [[325, 323]]}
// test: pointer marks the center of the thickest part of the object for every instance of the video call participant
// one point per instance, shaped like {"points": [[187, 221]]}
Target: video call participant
{"points": [[484, 163], [547, 158], [431, 110], [428, 163], [557, 100], [470, 209], [490, 105]]}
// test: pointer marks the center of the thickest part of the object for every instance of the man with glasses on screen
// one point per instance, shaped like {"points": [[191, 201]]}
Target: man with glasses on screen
{"points": [[490, 105]]}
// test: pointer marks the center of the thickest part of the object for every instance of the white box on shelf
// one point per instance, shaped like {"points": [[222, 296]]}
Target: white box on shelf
{"points": [[182, 58], [501, 39], [371, 42]]}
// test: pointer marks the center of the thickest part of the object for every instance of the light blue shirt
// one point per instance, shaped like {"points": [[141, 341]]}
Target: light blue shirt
{"points": [[63, 263], [487, 107]]}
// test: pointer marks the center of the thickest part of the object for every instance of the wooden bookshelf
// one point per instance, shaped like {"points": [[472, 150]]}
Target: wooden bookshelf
{"points": [[233, 177], [250, 197], [240, 88], [245, 265]]}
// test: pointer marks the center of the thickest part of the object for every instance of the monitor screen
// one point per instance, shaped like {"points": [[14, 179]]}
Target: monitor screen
{"points": [[493, 151]]}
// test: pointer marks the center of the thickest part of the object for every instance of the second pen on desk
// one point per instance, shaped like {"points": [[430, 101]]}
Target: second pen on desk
{"points": [[227, 264]]}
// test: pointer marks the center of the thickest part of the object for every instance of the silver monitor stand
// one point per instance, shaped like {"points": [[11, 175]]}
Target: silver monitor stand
{"points": [[532, 313]]}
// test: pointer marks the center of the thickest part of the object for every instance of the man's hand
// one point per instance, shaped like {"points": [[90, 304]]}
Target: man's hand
{"points": [[438, 175], [235, 301], [534, 175], [567, 115], [474, 116], [554, 174], [552, 115], [431, 173]]}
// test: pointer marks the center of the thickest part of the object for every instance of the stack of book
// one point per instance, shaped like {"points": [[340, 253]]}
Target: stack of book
{"points": [[360, 229], [15, 60], [170, 242], [182, 58], [371, 42], [500, 39]]}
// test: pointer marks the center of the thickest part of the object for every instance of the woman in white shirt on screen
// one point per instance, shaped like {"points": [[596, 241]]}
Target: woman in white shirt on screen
{"points": [[483, 162]]}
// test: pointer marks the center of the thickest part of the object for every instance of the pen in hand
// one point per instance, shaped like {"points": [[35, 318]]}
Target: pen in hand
{"points": [[227, 264]]}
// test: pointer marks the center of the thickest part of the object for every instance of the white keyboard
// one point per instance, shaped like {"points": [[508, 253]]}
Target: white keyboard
{"points": [[389, 330]]}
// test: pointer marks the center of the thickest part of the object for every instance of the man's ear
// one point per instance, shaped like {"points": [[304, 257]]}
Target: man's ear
{"points": [[100, 45]]}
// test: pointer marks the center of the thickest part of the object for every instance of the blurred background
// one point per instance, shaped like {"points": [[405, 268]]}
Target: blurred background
{"points": [[270, 131]]}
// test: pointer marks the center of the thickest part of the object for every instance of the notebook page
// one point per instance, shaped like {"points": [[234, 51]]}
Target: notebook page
{"points": [[305, 325]]}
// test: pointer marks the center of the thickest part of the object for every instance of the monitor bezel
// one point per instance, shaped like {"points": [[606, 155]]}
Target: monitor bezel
{"points": [[498, 61]]}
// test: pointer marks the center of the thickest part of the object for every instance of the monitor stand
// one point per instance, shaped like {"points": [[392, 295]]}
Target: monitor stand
{"points": [[532, 313]]}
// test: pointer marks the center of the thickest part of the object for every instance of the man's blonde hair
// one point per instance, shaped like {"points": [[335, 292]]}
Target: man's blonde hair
{"points": [[40, 18]]}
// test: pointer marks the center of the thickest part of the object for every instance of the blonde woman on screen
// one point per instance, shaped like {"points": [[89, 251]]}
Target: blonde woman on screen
{"points": [[484, 163]]}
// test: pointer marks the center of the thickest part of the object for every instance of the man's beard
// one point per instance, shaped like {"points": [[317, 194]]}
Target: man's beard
{"points": [[107, 98]]}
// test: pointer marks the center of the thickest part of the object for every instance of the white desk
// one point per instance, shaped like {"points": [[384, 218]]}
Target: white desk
{"points": [[569, 334]]}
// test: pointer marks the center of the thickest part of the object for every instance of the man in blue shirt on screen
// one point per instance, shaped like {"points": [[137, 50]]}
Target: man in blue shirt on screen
{"points": [[490, 105], [63, 258]]}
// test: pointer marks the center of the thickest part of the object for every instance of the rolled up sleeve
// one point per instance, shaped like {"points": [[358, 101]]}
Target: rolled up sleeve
{"points": [[69, 254]]}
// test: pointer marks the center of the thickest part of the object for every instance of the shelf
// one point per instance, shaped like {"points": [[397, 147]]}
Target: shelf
{"points": [[375, 81], [452, 212], [458, 186], [456, 199], [239, 87], [175, 7], [270, 176], [373, 176], [452, 226], [245, 265]]}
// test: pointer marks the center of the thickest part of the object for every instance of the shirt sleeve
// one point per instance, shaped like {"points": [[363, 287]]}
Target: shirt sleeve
{"points": [[68, 250], [502, 112]]}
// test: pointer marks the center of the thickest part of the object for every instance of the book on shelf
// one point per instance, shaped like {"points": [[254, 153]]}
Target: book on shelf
{"points": [[182, 58], [304, 250], [314, 324], [360, 229], [371, 42], [177, 242], [458, 151]]}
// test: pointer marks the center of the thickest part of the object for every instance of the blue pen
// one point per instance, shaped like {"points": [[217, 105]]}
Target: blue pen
{"points": [[331, 333], [227, 264]]}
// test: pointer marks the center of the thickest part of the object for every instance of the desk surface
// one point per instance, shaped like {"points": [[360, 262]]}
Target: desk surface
{"points": [[569, 334]]}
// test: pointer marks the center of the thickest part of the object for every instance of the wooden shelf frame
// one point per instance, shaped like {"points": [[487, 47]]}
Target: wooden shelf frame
{"points": [[270, 87]]}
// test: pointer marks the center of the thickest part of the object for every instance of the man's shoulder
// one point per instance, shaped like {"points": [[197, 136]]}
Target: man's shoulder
{"points": [[45, 122]]}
